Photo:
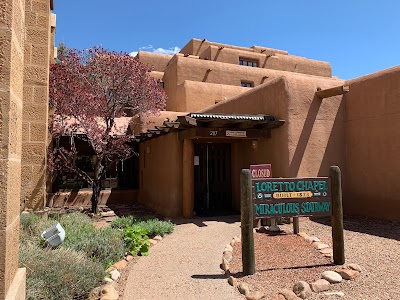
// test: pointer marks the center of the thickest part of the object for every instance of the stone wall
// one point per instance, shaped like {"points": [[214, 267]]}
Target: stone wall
{"points": [[38, 52]]}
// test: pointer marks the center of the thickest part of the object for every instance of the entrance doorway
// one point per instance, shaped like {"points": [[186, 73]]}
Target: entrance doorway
{"points": [[212, 179]]}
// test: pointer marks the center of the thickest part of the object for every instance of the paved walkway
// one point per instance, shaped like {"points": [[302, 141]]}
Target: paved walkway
{"points": [[185, 265]]}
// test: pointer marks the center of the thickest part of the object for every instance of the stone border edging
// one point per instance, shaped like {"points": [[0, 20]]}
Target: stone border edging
{"points": [[301, 289]]}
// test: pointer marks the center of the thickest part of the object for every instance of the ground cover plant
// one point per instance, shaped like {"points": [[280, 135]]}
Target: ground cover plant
{"points": [[72, 270]]}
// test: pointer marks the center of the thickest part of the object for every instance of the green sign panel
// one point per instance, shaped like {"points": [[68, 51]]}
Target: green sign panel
{"points": [[288, 197]]}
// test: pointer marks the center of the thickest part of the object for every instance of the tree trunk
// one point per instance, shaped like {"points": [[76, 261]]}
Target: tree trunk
{"points": [[96, 188]]}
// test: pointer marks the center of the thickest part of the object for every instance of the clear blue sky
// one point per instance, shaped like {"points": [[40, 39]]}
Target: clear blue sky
{"points": [[356, 37]]}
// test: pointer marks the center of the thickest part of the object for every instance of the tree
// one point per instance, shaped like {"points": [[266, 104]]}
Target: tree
{"points": [[89, 89]]}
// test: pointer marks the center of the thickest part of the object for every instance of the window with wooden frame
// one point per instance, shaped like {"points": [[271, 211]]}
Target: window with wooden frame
{"points": [[248, 62]]}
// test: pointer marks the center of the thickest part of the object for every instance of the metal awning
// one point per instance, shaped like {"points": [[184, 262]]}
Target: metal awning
{"points": [[217, 125]]}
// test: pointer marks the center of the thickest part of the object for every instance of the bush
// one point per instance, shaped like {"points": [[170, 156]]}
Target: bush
{"points": [[152, 226], [155, 227], [136, 240], [123, 222], [58, 274], [104, 245]]}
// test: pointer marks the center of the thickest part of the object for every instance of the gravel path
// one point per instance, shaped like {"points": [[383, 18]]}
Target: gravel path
{"points": [[375, 246], [185, 265]]}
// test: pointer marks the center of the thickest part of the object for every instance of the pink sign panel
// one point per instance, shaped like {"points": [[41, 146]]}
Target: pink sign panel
{"points": [[261, 171]]}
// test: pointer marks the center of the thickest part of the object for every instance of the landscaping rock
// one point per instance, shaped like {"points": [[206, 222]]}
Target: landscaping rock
{"points": [[157, 238], [232, 243], [108, 292], [257, 295], [109, 213], [120, 265], [347, 273], [312, 239], [153, 242], [303, 234], [289, 295], [115, 275], [354, 267], [232, 281], [339, 294], [228, 248], [237, 239], [302, 289], [129, 257], [224, 265], [326, 251], [262, 229], [320, 246], [243, 288], [112, 268], [332, 276], [228, 256], [278, 297], [320, 285], [107, 280]]}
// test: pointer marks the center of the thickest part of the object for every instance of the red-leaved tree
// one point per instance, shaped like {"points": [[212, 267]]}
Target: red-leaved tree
{"points": [[89, 89]]}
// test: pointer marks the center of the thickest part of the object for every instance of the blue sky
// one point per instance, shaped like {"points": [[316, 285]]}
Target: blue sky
{"points": [[356, 37]]}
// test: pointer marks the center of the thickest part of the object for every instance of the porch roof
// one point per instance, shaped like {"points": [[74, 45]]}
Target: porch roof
{"points": [[213, 120]]}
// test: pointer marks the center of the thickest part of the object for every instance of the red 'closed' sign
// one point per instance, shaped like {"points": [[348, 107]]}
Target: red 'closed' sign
{"points": [[261, 171]]}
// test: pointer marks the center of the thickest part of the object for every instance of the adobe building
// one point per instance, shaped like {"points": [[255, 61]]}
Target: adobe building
{"points": [[26, 48], [229, 107]]}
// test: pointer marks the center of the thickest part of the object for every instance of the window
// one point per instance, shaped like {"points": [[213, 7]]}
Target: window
{"points": [[246, 84], [248, 62]]}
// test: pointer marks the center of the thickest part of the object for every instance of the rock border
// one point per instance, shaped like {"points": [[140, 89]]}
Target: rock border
{"points": [[301, 289], [108, 290]]}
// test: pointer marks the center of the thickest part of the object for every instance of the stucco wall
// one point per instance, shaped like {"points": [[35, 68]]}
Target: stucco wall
{"points": [[161, 175], [193, 96], [309, 142], [372, 145], [269, 60], [155, 61]]}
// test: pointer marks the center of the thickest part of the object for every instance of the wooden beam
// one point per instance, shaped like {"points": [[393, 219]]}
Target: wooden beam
{"points": [[335, 91], [188, 179]]}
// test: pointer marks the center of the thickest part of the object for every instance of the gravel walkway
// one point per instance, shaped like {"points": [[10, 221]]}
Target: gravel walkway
{"points": [[185, 265]]}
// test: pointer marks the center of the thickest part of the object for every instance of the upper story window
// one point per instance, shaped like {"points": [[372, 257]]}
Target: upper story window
{"points": [[246, 84], [248, 62]]}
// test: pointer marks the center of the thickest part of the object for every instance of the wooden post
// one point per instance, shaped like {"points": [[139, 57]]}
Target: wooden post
{"points": [[296, 225], [188, 179], [337, 216], [246, 208]]}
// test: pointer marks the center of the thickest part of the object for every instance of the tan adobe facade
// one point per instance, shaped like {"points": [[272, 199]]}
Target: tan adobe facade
{"points": [[26, 48], [353, 129]]}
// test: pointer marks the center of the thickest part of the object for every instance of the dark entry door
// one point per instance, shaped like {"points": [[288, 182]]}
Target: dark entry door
{"points": [[212, 178]]}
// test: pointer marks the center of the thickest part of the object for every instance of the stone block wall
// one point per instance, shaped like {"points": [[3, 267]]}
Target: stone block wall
{"points": [[39, 47], [12, 22]]}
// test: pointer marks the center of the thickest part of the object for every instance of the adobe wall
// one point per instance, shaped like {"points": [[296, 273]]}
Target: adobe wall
{"points": [[311, 139], [269, 60], [193, 96], [190, 68], [40, 28], [12, 22], [155, 61], [161, 175], [372, 145]]}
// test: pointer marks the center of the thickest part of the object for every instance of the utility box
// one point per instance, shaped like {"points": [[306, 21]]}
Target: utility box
{"points": [[54, 235]]}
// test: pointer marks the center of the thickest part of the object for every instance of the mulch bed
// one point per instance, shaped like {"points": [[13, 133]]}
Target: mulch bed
{"points": [[281, 260]]}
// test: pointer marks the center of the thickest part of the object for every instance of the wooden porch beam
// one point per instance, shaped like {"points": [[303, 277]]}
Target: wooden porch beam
{"points": [[335, 91]]}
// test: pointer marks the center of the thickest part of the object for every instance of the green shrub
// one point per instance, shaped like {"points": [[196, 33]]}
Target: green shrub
{"points": [[104, 245], [157, 227], [136, 240], [58, 274], [122, 222]]}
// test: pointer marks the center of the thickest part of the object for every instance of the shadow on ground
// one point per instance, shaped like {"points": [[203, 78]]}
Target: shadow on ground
{"points": [[368, 225]]}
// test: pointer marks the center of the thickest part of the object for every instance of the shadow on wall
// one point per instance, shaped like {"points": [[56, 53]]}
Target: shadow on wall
{"points": [[377, 227], [304, 136]]}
